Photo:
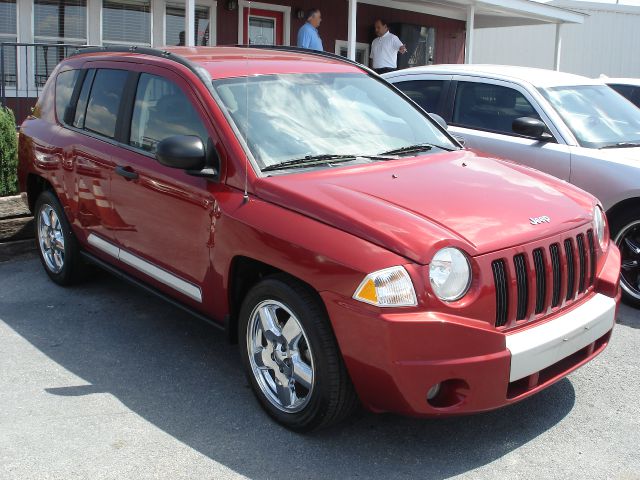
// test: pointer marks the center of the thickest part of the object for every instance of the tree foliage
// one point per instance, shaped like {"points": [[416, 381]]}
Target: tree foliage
{"points": [[8, 153]]}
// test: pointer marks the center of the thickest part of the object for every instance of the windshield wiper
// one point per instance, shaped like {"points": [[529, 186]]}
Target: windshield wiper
{"points": [[419, 147], [311, 160], [622, 145]]}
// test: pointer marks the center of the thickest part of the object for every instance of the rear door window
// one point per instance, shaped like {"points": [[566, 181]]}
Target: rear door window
{"points": [[426, 93], [104, 101], [486, 106], [162, 110], [65, 84]]}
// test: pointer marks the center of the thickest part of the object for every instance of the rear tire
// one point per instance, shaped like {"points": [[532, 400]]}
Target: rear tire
{"points": [[291, 357], [57, 245], [625, 233]]}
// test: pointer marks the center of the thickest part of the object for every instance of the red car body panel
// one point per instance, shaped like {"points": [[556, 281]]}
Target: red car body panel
{"points": [[328, 228]]}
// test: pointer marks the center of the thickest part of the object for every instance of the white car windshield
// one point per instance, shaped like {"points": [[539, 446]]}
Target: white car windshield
{"points": [[598, 116], [289, 117]]}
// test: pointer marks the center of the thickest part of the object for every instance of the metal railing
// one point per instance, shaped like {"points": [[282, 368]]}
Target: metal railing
{"points": [[24, 70]]}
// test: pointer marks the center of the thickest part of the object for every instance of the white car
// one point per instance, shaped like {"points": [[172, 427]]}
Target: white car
{"points": [[629, 88], [572, 127]]}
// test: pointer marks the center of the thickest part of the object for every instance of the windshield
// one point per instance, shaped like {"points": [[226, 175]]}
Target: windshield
{"points": [[598, 116], [299, 116]]}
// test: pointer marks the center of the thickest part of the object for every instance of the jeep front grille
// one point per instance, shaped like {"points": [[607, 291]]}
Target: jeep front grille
{"points": [[532, 283]]}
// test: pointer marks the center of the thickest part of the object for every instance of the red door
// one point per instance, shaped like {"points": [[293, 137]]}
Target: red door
{"points": [[263, 27], [170, 211]]}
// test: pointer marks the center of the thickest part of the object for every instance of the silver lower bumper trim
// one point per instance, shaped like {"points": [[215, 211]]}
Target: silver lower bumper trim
{"points": [[538, 347]]}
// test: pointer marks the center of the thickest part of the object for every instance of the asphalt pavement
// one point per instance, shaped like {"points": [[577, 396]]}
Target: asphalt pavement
{"points": [[103, 381]]}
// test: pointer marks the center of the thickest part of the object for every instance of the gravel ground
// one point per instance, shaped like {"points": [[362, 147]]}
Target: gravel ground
{"points": [[102, 381]]}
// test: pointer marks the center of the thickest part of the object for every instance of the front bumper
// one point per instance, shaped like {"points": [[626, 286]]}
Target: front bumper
{"points": [[394, 359]]}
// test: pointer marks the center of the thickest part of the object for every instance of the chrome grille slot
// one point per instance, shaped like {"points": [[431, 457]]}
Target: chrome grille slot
{"points": [[554, 251], [592, 257], [502, 292], [571, 272], [520, 265], [541, 281], [582, 262]]}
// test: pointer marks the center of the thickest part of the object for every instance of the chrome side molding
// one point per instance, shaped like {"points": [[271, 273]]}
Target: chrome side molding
{"points": [[189, 289]]}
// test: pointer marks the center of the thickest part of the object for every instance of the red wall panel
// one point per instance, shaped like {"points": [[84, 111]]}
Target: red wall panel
{"points": [[449, 33]]}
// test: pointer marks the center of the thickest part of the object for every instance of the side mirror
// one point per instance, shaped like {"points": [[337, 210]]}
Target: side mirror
{"points": [[185, 152], [439, 120], [530, 127], [459, 139]]}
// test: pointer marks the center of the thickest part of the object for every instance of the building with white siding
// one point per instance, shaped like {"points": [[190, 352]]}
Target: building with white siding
{"points": [[606, 43]]}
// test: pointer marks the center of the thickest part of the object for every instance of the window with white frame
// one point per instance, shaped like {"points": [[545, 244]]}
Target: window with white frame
{"points": [[56, 21], [126, 22], [174, 22], [60, 21], [8, 33], [362, 51]]}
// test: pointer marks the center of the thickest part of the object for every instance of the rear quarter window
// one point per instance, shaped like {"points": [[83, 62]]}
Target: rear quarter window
{"points": [[65, 84]]}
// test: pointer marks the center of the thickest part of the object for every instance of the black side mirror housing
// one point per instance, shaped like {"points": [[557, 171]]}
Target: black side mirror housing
{"points": [[185, 152], [530, 127]]}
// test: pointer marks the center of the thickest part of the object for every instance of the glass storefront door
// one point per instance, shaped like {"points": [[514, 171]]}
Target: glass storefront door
{"points": [[263, 27]]}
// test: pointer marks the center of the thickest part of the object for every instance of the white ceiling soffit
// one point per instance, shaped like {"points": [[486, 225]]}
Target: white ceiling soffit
{"points": [[582, 5], [489, 13]]}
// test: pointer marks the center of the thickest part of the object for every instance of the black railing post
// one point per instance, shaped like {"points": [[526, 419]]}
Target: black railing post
{"points": [[35, 68], [3, 96], [26, 76]]}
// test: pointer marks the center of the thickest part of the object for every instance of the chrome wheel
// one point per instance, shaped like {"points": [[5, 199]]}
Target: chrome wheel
{"points": [[628, 241], [51, 238], [280, 356]]}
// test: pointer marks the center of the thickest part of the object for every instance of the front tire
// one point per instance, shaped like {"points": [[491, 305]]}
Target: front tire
{"points": [[56, 243], [291, 357], [625, 233]]}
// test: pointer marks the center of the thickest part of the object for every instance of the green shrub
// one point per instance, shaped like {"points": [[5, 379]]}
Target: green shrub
{"points": [[8, 153]]}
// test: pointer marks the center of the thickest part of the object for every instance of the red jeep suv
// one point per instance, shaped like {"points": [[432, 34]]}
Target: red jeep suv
{"points": [[354, 250]]}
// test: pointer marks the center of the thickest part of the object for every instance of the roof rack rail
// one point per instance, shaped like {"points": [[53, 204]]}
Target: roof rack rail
{"points": [[317, 53], [154, 52]]}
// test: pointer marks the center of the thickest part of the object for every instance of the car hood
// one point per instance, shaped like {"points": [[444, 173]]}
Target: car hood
{"points": [[415, 206]]}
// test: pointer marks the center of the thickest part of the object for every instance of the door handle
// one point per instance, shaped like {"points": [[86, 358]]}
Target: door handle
{"points": [[127, 172]]}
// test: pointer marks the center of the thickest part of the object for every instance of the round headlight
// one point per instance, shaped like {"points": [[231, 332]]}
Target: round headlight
{"points": [[450, 274], [598, 226]]}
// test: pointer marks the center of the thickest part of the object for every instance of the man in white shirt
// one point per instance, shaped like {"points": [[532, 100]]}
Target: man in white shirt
{"points": [[385, 48]]}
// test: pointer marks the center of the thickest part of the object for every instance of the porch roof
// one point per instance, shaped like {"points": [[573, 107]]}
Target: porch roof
{"points": [[489, 13]]}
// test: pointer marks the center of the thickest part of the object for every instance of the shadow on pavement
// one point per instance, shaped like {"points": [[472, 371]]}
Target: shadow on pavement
{"points": [[182, 376], [628, 316]]}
